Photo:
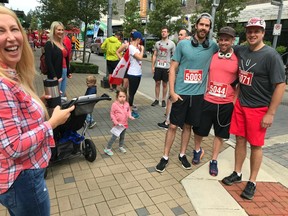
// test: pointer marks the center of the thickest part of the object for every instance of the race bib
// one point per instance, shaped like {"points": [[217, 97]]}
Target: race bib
{"points": [[218, 89], [245, 77], [193, 76], [161, 63]]}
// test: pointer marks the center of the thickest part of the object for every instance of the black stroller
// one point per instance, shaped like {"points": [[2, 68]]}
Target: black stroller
{"points": [[68, 142]]}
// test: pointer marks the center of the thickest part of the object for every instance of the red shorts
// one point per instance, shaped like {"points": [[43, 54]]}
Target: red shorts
{"points": [[246, 122]]}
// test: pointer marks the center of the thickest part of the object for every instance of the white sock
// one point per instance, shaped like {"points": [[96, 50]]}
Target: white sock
{"points": [[165, 157], [181, 155]]}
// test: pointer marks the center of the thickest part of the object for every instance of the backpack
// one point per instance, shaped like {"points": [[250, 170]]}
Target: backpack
{"points": [[43, 67]]}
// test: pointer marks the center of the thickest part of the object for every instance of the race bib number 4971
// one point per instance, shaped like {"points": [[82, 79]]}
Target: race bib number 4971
{"points": [[245, 77], [193, 76]]}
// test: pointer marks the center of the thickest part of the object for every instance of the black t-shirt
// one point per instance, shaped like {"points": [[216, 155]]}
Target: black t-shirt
{"points": [[259, 71]]}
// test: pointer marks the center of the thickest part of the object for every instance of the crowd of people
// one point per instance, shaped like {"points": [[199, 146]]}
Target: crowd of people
{"points": [[220, 85]]}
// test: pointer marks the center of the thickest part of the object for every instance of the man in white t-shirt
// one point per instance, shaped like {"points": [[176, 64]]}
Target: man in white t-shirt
{"points": [[163, 51]]}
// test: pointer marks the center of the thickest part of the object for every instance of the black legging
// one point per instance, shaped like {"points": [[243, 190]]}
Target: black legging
{"points": [[134, 82]]}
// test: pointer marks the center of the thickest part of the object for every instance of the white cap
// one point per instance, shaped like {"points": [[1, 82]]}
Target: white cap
{"points": [[256, 21]]}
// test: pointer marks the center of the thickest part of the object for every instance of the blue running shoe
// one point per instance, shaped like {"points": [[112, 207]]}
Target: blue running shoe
{"points": [[135, 114]]}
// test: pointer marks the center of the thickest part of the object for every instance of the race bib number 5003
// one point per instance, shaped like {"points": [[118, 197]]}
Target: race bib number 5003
{"points": [[193, 76]]}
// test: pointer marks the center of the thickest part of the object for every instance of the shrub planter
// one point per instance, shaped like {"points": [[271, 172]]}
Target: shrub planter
{"points": [[79, 67]]}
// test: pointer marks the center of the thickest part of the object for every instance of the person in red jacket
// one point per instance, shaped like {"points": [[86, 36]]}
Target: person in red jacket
{"points": [[68, 44]]}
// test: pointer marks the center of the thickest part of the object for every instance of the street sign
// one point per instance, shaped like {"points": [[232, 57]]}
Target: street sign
{"points": [[277, 2], [277, 29]]}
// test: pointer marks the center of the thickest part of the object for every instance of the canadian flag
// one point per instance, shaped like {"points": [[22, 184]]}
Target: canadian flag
{"points": [[119, 72]]}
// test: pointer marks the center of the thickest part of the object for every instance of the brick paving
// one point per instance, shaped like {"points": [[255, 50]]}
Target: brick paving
{"points": [[278, 152], [271, 198]]}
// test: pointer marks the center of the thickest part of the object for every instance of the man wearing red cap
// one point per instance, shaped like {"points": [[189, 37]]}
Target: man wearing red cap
{"points": [[262, 85]]}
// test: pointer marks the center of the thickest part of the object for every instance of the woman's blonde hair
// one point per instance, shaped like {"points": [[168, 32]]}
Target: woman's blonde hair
{"points": [[25, 68], [53, 27]]}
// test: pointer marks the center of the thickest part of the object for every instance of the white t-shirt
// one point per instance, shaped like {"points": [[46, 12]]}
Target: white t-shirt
{"points": [[135, 67]]}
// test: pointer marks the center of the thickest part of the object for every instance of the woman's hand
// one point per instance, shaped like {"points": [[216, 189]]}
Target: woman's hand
{"points": [[44, 98], [59, 116]]}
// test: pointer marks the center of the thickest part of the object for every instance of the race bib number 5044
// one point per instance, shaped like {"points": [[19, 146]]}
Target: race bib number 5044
{"points": [[193, 76], [218, 89]]}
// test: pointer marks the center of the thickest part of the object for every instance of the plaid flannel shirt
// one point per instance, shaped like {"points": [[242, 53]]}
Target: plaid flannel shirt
{"points": [[25, 136]]}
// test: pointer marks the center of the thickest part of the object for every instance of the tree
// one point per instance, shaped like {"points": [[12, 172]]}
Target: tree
{"points": [[226, 12], [161, 16], [68, 11], [132, 19]]}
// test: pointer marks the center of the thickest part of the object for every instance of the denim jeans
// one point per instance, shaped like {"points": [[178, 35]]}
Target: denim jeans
{"points": [[113, 138], [63, 83], [28, 196], [89, 118]]}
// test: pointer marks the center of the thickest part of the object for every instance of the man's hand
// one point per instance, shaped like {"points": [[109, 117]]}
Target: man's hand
{"points": [[267, 120], [175, 97]]}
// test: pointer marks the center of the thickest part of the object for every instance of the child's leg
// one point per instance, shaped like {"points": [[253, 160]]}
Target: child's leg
{"points": [[121, 140], [111, 141], [89, 118]]}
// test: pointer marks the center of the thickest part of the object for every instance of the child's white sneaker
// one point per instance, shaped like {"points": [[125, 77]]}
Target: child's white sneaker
{"points": [[108, 151], [122, 149]]}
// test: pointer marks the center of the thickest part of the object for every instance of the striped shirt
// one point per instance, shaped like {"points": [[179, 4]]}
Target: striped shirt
{"points": [[25, 136]]}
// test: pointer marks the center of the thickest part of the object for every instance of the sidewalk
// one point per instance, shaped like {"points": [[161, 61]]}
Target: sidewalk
{"points": [[127, 184]]}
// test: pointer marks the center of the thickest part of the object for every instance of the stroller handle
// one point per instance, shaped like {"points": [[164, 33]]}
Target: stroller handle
{"points": [[87, 100]]}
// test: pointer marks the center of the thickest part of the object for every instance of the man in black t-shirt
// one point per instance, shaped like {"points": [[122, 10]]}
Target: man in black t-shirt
{"points": [[261, 82]]}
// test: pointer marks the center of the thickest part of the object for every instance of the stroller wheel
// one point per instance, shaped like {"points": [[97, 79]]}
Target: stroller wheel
{"points": [[89, 150]]}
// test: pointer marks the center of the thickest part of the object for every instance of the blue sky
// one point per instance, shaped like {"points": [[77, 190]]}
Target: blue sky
{"points": [[24, 5]]}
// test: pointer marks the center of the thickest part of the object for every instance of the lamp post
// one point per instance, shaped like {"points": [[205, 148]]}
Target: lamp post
{"points": [[215, 4], [109, 19]]}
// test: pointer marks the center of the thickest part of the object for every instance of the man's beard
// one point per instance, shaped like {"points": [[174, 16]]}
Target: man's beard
{"points": [[199, 35]]}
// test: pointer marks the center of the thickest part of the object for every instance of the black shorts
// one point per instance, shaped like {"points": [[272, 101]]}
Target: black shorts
{"points": [[187, 111], [111, 65], [161, 74], [218, 115]]}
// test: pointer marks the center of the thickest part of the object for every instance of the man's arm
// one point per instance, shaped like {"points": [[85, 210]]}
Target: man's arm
{"points": [[275, 101], [172, 77], [154, 60], [103, 46]]}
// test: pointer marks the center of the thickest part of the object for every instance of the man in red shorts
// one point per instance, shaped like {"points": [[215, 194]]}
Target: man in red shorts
{"points": [[261, 79]]}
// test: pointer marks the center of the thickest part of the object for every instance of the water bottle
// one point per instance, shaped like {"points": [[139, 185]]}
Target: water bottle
{"points": [[51, 88]]}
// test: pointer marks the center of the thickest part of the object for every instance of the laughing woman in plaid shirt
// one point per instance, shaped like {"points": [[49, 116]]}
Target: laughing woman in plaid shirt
{"points": [[25, 136]]}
